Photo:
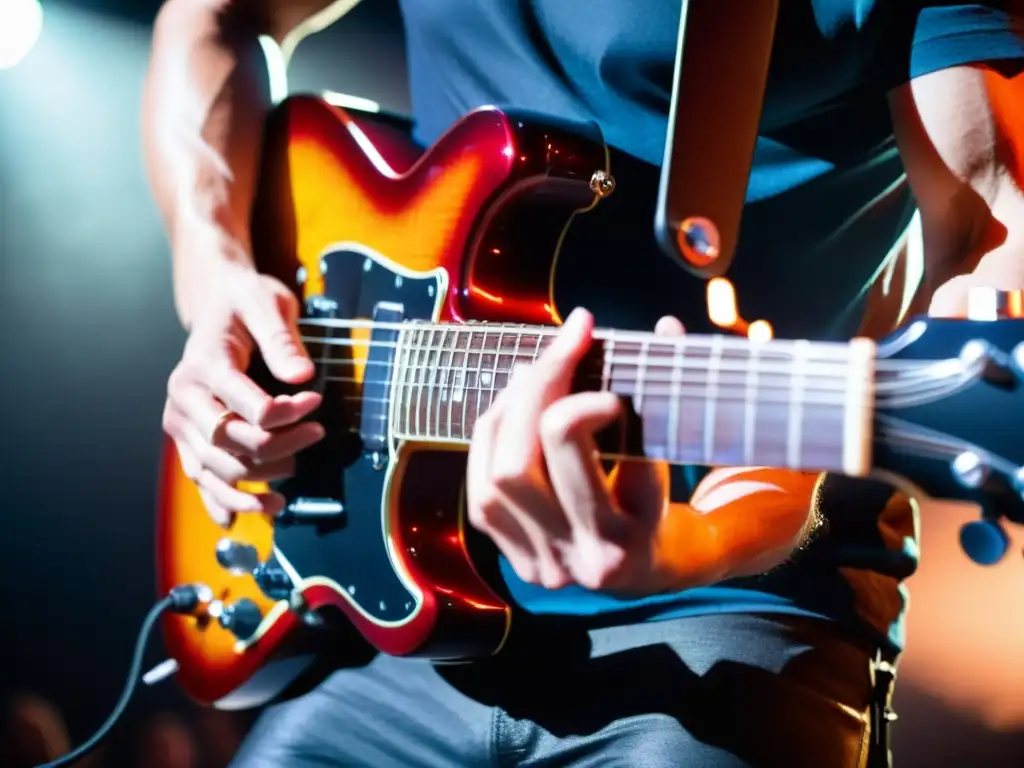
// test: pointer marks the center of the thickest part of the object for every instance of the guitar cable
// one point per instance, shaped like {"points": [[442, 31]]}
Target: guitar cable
{"points": [[181, 599]]}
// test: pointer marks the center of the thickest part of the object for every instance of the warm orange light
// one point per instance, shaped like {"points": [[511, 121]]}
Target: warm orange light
{"points": [[722, 303], [486, 294], [760, 330]]}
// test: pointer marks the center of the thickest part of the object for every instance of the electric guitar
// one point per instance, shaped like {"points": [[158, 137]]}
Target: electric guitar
{"points": [[422, 288]]}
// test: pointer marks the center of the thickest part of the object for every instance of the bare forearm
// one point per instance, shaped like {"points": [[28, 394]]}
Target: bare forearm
{"points": [[206, 95]]}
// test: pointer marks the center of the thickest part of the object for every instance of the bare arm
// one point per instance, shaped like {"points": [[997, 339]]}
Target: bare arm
{"points": [[961, 135], [206, 95]]}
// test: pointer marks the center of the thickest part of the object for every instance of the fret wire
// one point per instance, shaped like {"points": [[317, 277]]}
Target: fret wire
{"points": [[479, 373], [424, 385], [405, 397], [794, 431], [464, 382], [449, 384], [442, 395], [750, 408], [606, 367], [640, 378], [515, 354], [416, 387], [494, 369], [714, 361], [674, 396], [432, 374]]}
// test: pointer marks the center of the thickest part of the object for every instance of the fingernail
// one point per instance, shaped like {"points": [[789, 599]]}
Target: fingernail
{"points": [[573, 318]]}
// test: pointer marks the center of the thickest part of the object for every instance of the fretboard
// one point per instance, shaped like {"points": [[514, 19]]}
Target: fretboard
{"points": [[706, 400]]}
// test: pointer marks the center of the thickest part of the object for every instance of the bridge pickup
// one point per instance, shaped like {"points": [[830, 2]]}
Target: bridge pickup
{"points": [[380, 361], [312, 511]]}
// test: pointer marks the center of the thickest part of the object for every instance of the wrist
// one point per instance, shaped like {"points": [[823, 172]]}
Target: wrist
{"points": [[207, 255]]}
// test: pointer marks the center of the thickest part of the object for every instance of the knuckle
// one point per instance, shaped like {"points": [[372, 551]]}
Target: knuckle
{"points": [[600, 568], [170, 421], [526, 570], [557, 422], [177, 380], [263, 446], [486, 509], [510, 477], [554, 577]]}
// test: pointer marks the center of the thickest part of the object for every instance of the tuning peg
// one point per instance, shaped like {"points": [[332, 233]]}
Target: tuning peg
{"points": [[984, 541], [984, 303]]}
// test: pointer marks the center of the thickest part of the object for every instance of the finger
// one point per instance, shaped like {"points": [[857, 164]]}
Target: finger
{"points": [[233, 500], [574, 469], [669, 326], [951, 298], [200, 409], [486, 507], [243, 396], [270, 317], [640, 489], [520, 461], [557, 363], [233, 469], [220, 515], [245, 440], [191, 466], [517, 468]]}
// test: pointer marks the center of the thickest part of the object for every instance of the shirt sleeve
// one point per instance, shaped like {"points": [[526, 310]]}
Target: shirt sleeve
{"points": [[931, 35]]}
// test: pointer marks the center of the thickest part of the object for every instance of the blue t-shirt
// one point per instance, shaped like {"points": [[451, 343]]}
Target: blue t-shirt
{"points": [[827, 199]]}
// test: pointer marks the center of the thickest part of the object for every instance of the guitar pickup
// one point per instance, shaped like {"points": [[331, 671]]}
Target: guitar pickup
{"points": [[312, 511]]}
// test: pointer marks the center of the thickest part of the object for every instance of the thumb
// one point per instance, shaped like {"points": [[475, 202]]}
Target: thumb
{"points": [[641, 488], [271, 317], [951, 298]]}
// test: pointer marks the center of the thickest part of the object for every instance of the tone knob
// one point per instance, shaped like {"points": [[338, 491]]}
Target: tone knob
{"points": [[237, 557], [984, 541], [984, 303], [242, 618]]}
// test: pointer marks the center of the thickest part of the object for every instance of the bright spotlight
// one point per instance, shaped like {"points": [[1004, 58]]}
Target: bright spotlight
{"points": [[21, 22]]}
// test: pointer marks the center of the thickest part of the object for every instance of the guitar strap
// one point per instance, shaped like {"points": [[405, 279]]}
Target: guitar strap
{"points": [[721, 71]]}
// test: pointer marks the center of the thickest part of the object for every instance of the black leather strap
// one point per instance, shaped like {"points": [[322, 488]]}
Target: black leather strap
{"points": [[721, 72]]}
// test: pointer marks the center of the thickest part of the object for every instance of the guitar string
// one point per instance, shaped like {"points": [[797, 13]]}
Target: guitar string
{"points": [[837, 382], [666, 387], [953, 368], [647, 359], [726, 395], [652, 342]]}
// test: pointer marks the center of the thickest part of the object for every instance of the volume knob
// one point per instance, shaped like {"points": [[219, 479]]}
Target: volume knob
{"points": [[242, 618], [237, 557], [984, 303]]}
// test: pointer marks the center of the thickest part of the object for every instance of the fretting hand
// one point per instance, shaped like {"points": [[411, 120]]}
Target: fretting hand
{"points": [[536, 486]]}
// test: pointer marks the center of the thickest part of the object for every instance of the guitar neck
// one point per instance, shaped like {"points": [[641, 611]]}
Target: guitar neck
{"points": [[706, 400]]}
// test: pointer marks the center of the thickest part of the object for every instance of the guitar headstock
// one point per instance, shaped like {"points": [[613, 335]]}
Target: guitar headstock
{"points": [[950, 414]]}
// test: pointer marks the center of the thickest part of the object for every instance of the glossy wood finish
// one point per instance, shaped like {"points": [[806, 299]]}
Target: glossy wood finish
{"points": [[457, 208]]}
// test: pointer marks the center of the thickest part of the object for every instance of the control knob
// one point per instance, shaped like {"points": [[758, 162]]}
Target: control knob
{"points": [[241, 618]]}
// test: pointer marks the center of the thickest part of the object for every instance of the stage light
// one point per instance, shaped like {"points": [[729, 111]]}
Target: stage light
{"points": [[21, 22]]}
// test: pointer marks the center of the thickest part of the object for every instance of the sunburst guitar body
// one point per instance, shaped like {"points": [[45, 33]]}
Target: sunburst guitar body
{"points": [[365, 226]]}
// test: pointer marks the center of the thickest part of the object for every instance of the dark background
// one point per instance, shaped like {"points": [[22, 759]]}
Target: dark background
{"points": [[89, 337]]}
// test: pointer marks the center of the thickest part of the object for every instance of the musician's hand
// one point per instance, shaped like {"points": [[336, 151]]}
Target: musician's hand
{"points": [[226, 428], [536, 487]]}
